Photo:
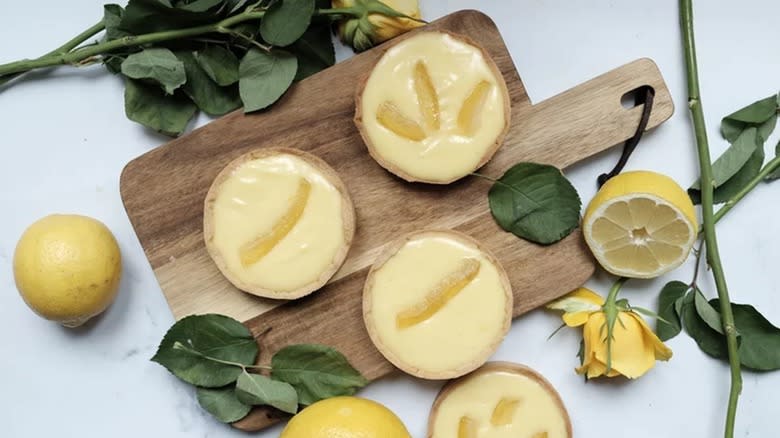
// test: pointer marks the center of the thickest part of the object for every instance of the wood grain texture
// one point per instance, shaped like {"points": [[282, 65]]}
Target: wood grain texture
{"points": [[163, 193]]}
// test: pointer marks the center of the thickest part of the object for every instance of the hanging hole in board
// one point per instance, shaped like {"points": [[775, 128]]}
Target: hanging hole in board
{"points": [[635, 97]]}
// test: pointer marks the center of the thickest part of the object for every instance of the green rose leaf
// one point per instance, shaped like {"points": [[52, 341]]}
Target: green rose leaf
{"points": [[193, 347], [730, 129], [254, 389], [535, 202], [759, 340], [706, 312], [314, 50], [199, 5], [112, 16], [776, 173], [210, 97], [157, 64], [234, 5], [757, 112], [759, 347], [113, 63], [670, 295], [733, 159], [737, 182], [316, 372], [145, 16], [745, 174], [761, 115], [765, 129], [708, 340], [150, 106], [286, 20], [264, 77], [220, 64], [223, 404]]}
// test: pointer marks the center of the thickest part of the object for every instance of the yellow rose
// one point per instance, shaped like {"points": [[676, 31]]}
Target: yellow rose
{"points": [[374, 21], [633, 348]]}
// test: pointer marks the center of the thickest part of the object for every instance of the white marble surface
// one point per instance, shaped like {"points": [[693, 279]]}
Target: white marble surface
{"points": [[65, 140]]}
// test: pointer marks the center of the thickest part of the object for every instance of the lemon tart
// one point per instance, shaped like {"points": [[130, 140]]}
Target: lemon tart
{"points": [[278, 222], [434, 108], [436, 304], [501, 400]]}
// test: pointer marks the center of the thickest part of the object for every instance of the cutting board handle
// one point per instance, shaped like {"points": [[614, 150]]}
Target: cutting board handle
{"points": [[590, 118]]}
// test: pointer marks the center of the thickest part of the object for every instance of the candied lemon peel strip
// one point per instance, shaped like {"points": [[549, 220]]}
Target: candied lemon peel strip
{"points": [[469, 117], [504, 411], [426, 96], [393, 119], [467, 428], [449, 287], [251, 252], [470, 114]]}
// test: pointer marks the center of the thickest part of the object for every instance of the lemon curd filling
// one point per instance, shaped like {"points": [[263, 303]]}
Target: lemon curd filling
{"points": [[499, 404], [434, 108], [438, 306], [277, 223]]}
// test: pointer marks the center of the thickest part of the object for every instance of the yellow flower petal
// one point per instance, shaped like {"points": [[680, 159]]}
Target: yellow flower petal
{"points": [[576, 319], [590, 336], [662, 352], [594, 368], [390, 27], [368, 30], [632, 356], [580, 300], [635, 347]]}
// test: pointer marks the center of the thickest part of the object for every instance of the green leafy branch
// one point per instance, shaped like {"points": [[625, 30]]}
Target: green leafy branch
{"points": [[677, 303], [720, 328], [217, 354], [754, 122], [181, 56]]}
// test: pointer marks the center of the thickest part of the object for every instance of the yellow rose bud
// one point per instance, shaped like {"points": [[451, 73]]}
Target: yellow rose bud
{"points": [[376, 21], [634, 346]]}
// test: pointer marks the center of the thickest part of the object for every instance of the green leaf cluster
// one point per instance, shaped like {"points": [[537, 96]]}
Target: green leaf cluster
{"points": [[682, 306], [535, 202], [747, 130], [250, 64], [215, 353]]}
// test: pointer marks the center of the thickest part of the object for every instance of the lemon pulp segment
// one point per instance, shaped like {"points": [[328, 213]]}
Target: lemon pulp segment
{"points": [[428, 78], [277, 222], [252, 252], [389, 116], [445, 291], [426, 93], [467, 428], [504, 411], [470, 113]]}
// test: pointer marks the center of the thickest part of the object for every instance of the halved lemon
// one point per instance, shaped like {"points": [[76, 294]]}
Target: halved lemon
{"points": [[640, 224]]}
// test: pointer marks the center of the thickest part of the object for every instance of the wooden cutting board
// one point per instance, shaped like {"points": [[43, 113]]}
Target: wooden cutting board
{"points": [[163, 193]]}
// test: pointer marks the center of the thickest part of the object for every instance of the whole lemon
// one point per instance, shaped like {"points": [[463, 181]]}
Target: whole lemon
{"points": [[345, 417], [67, 268]]}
